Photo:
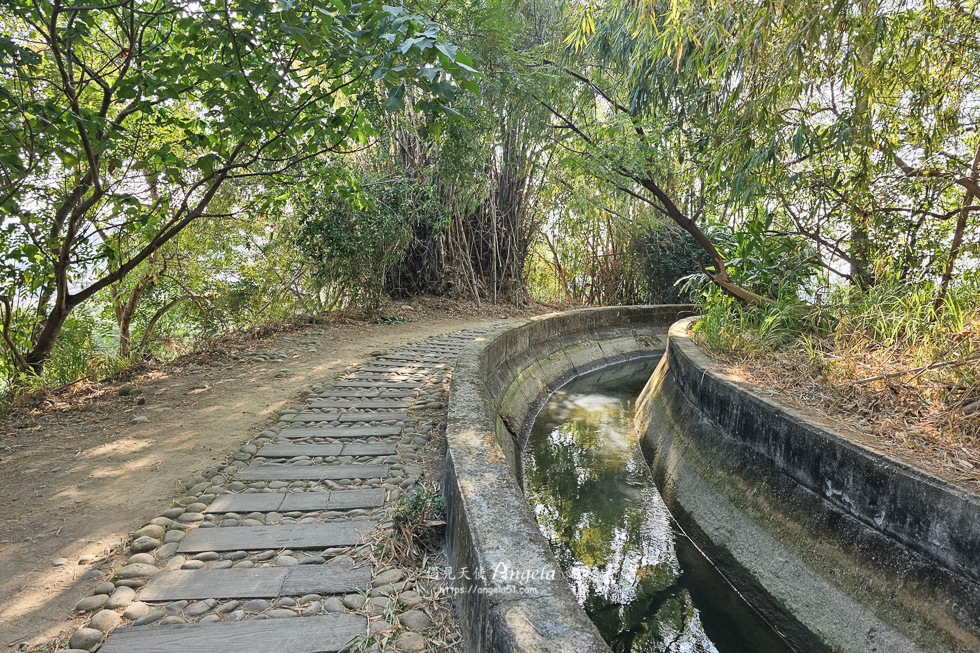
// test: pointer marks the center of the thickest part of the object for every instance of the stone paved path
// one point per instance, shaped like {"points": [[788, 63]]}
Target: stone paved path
{"points": [[276, 533]]}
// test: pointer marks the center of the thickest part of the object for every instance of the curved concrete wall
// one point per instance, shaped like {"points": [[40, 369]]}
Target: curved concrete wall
{"points": [[842, 548], [511, 593]]}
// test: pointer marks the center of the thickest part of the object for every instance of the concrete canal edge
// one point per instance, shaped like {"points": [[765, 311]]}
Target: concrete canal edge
{"points": [[841, 548], [511, 593]]}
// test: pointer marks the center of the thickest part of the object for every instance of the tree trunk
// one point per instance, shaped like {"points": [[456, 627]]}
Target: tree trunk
{"points": [[957, 244], [860, 250]]}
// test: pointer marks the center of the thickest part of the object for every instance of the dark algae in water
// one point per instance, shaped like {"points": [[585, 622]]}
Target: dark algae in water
{"points": [[643, 584]]}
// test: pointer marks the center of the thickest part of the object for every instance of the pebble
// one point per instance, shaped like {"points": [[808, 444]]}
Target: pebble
{"points": [[136, 571], [315, 608], [105, 620], [354, 601], [121, 598], [333, 604], [256, 605], [225, 608], [379, 626], [280, 613], [409, 643], [190, 517], [104, 588], [150, 617], [376, 604], [313, 560], [167, 550], [415, 620], [388, 577], [91, 603], [59, 562], [176, 606], [139, 419], [193, 564], [174, 536], [199, 608], [86, 638], [172, 619], [136, 611], [285, 561], [144, 543], [152, 530], [140, 558]]}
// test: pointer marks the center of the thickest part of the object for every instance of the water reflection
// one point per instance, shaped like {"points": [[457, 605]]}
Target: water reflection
{"points": [[595, 500]]}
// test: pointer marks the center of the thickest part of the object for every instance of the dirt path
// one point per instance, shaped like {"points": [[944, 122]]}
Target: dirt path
{"points": [[76, 483]]}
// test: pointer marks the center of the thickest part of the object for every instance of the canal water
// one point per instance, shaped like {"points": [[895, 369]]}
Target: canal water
{"points": [[641, 581]]}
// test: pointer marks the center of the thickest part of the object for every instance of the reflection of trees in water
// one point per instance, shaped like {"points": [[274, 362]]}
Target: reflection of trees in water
{"points": [[584, 480]]}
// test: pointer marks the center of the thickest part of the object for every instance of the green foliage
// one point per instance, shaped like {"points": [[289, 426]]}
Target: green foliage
{"points": [[419, 518], [666, 255], [123, 123], [392, 319], [84, 351], [841, 136], [355, 243], [729, 326]]}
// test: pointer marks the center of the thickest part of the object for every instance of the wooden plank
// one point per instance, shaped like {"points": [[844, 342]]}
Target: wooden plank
{"points": [[359, 393], [351, 499], [405, 366], [307, 501], [321, 634], [283, 536], [413, 364], [355, 403], [257, 502], [258, 583], [380, 449], [396, 394], [271, 472], [425, 356], [401, 370], [349, 383], [373, 417], [387, 376], [341, 432], [302, 418], [291, 450], [281, 501], [326, 579], [180, 584]]}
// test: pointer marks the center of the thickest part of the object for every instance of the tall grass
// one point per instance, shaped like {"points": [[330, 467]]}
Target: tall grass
{"points": [[870, 350], [83, 352]]}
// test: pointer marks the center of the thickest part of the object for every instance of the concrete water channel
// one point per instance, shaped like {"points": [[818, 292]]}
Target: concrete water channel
{"points": [[642, 582], [728, 524]]}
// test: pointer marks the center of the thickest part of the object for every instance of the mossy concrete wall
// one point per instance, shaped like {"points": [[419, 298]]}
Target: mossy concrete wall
{"points": [[840, 547], [511, 593]]}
